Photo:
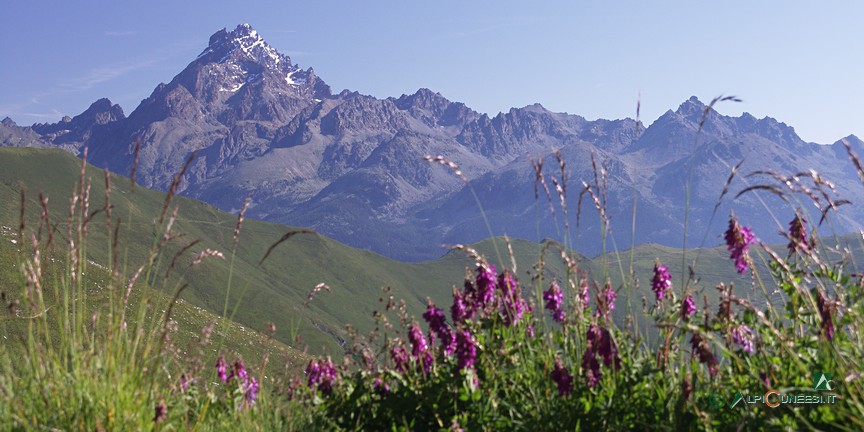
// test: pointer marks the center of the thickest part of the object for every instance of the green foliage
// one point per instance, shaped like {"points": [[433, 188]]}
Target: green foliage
{"points": [[88, 356]]}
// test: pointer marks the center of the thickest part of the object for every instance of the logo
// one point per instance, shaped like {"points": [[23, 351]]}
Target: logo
{"points": [[822, 381], [738, 398]]}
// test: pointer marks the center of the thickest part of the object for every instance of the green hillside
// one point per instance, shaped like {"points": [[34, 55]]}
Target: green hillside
{"points": [[277, 290]]}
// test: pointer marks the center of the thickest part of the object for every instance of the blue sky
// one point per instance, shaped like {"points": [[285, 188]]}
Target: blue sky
{"points": [[791, 60]]}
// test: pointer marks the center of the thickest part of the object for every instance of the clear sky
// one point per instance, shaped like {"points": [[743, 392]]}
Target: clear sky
{"points": [[799, 62]]}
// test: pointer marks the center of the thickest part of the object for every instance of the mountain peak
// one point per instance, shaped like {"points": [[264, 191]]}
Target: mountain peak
{"points": [[691, 106], [244, 43]]}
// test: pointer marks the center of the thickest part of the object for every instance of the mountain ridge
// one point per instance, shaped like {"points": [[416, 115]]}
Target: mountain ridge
{"points": [[350, 165]]}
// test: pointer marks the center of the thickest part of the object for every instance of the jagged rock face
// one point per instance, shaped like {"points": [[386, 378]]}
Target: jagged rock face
{"points": [[351, 166]]}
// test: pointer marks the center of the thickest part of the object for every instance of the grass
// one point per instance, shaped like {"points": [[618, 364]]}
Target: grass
{"points": [[106, 325]]}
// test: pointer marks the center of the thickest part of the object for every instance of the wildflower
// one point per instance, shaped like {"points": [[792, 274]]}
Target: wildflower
{"points": [[738, 240], [608, 350], [583, 293], [427, 360], [599, 342], [485, 286], [562, 378], [686, 388], [329, 375], [313, 372], [798, 234], [591, 368], [514, 306], [381, 387], [765, 379], [530, 330], [250, 391], [662, 280], [161, 412], [607, 304], [438, 326], [688, 307], [239, 371], [466, 350], [554, 297], [185, 380], [321, 375], [418, 341], [743, 337], [825, 313], [400, 357], [459, 310], [435, 318], [610, 297], [222, 369], [702, 350]]}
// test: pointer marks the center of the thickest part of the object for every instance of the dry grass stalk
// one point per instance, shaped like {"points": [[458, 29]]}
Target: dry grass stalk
{"points": [[172, 190], [285, 237], [239, 225], [134, 163], [178, 255], [205, 254], [315, 290], [44, 217], [444, 161]]}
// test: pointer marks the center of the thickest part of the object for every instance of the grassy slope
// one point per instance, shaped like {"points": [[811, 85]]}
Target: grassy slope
{"points": [[273, 292], [277, 290]]}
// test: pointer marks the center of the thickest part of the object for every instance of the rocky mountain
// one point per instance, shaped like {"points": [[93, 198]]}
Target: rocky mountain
{"points": [[351, 166]]}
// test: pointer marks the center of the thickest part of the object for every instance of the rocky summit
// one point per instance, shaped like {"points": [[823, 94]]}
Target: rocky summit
{"points": [[351, 166]]}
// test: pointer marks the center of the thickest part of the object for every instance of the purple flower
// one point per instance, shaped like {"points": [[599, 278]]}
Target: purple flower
{"points": [[185, 380], [743, 337], [485, 286], [686, 388], [825, 313], [321, 375], [703, 351], [765, 379], [427, 360], [738, 240], [448, 341], [466, 349], [554, 297], [459, 310], [222, 369], [238, 371], [583, 293], [688, 307], [161, 412], [662, 280], [400, 358], [418, 341], [798, 234], [608, 350], [435, 318], [607, 304], [599, 342], [313, 373], [529, 330], [562, 378], [250, 391], [591, 368], [514, 306], [329, 375], [381, 387]]}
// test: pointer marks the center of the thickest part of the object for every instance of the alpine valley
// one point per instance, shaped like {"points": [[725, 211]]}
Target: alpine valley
{"points": [[351, 166]]}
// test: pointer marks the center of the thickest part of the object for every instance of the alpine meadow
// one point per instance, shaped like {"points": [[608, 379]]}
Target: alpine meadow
{"points": [[249, 249]]}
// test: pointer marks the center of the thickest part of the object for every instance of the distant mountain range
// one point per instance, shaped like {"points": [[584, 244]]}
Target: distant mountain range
{"points": [[351, 166]]}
